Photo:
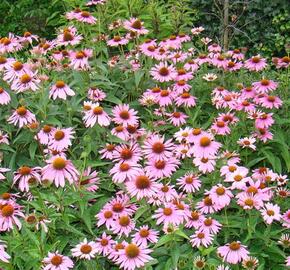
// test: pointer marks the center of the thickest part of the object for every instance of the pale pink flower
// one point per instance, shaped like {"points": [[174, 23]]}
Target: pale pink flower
{"points": [[96, 114], [247, 142], [270, 212], [26, 175], [4, 97], [221, 195], [161, 168], [249, 201], [56, 261], [201, 238], [104, 244], [85, 250], [4, 138], [79, 60], [205, 146], [27, 81], [233, 252], [177, 118], [207, 206], [108, 152], [205, 165], [90, 180], [4, 256], [68, 36], [185, 99], [61, 139], [58, 169], [124, 171], [60, 90], [210, 225], [264, 86], [21, 117], [193, 218], [45, 134], [127, 152]]}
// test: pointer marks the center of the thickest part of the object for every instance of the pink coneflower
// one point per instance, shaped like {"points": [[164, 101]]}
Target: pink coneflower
{"points": [[220, 61], [161, 168], [107, 217], [270, 212], [185, 99], [117, 40], [4, 256], [45, 134], [135, 25], [264, 86], [96, 114], [142, 186], [58, 169], [156, 148], [60, 90], [89, 180], [125, 116], [29, 37], [26, 176], [256, 63], [286, 219], [104, 244], [4, 138], [85, 250], [210, 225], [205, 146], [168, 214], [16, 70], [163, 73], [27, 81], [86, 17], [233, 66], [145, 235], [96, 94], [205, 165], [123, 225], [263, 134], [21, 117], [3, 170], [10, 44], [181, 86], [248, 92], [183, 151], [247, 142], [165, 97], [5, 63], [177, 118], [233, 252], [193, 218], [183, 134], [133, 256], [4, 97], [197, 30], [123, 171], [189, 183], [220, 128], [179, 57], [264, 120], [121, 132], [9, 213], [201, 238], [207, 206], [69, 36], [223, 267], [61, 139], [270, 102], [238, 177], [56, 261], [249, 201], [167, 193], [79, 60], [127, 152], [108, 152], [220, 195]]}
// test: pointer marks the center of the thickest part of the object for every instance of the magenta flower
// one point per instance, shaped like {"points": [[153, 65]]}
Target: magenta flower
{"points": [[145, 235], [163, 73], [9, 214], [125, 116], [21, 117]]}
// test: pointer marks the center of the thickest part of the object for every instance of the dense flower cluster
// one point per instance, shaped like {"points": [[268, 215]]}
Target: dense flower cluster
{"points": [[184, 175]]}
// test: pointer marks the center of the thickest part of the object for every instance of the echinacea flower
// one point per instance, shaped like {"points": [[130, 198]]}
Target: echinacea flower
{"points": [[189, 183], [168, 214], [247, 142], [58, 169], [256, 63], [145, 235], [270, 212], [86, 17], [125, 116], [163, 72], [233, 252], [9, 216], [133, 256], [96, 114], [135, 25], [61, 139], [56, 261], [104, 244], [117, 41], [26, 175], [4, 97], [201, 238], [21, 117], [85, 250], [60, 90], [4, 256]]}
